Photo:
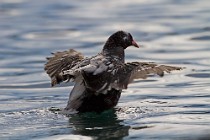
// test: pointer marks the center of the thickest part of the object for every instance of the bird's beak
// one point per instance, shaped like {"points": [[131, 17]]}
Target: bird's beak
{"points": [[135, 44]]}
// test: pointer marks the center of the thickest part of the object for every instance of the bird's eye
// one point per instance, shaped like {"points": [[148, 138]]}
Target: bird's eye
{"points": [[125, 38]]}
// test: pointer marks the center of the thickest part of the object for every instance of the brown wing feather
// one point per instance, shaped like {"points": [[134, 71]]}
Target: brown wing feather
{"points": [[61, 61], [140, 70]]}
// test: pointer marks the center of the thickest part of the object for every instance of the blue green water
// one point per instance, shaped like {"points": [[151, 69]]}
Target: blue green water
{"points": [[173, 32]]}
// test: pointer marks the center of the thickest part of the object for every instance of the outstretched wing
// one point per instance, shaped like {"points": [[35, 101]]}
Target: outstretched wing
{"points": [[61, 61], [139, 70]]}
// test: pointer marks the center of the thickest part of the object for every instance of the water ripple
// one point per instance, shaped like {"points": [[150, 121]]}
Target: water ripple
{"points": [[175, 32]]}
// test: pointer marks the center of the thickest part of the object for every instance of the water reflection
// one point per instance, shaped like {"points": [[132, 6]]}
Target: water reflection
{"points": [[100, 126]]}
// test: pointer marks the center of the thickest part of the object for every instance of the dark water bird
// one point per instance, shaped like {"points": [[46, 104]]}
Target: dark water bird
{"points": [[99, 80]]}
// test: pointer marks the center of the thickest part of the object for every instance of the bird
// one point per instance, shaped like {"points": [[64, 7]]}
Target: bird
{"points": [[100, 79]]}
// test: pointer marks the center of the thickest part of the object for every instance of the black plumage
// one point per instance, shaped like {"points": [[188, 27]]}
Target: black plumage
{"points": [[99, 80]]}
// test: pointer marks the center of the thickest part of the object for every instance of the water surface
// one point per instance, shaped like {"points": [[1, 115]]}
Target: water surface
{"points": [[173, 32]]}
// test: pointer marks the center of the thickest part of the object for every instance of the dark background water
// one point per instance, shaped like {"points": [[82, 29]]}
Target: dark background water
{"points": [[175, 32]]}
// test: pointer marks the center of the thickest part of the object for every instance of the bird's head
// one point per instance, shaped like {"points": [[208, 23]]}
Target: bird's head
{"points": [[121, 39]]}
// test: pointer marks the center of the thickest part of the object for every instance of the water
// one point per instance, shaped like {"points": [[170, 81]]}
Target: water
{"points": [[172, 32]]}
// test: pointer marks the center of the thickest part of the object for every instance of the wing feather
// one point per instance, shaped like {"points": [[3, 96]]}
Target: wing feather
{"points": [[61, 61], [140, 70]]}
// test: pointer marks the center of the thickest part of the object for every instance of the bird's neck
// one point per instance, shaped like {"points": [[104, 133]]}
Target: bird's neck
{"points": [[111, 49]]}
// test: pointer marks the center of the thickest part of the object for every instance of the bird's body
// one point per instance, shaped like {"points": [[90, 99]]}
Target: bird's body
{"points": [[99, 80], [92, 90]]}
